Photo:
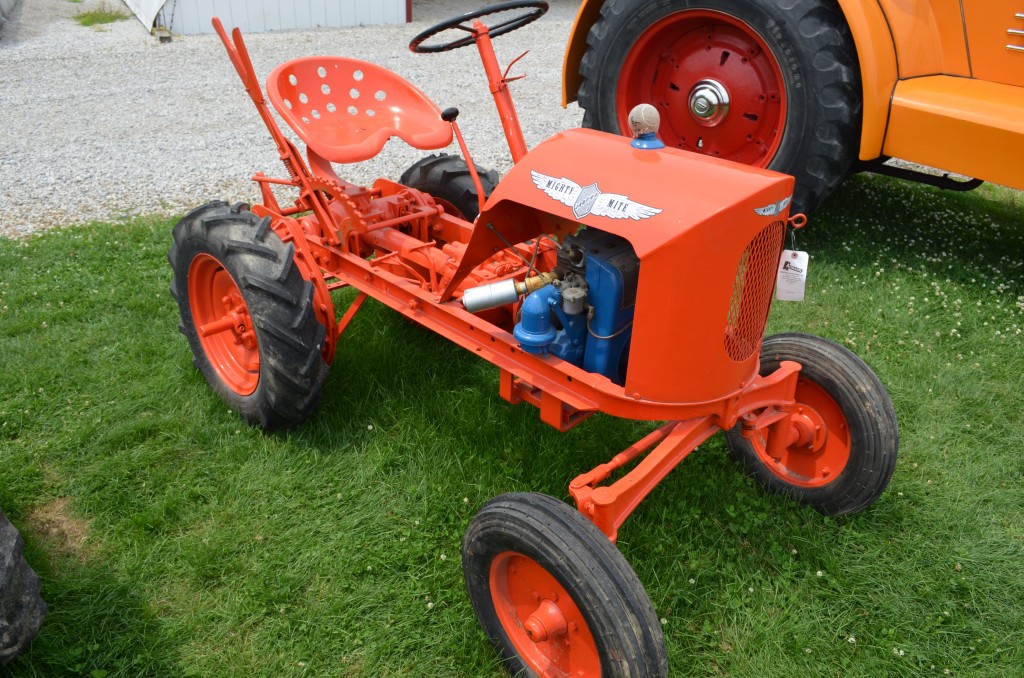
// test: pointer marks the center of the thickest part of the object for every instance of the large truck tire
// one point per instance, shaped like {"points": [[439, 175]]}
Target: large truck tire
{"points": [[769, 83]]}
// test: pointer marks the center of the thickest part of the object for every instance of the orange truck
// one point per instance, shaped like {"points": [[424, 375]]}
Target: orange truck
{"points": [[814, 88]]}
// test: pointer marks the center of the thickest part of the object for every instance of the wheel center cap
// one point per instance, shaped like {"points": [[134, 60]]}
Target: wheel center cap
{"points": [[709, 102]]}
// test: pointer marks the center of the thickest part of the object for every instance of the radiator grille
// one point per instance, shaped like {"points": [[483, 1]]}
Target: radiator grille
{"points": [[752, 292]]}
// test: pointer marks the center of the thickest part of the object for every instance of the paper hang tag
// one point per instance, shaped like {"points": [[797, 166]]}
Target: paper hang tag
{"points": [[792, 277]]}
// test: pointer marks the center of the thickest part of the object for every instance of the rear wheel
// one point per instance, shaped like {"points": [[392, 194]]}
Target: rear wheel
{"points": [[447, 179], [769, 83], [248, 314], [21, 608], [554, 595], [844, 438]]}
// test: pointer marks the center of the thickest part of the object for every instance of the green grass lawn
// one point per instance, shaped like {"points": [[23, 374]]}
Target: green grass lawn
{"points": [[172, 540]]}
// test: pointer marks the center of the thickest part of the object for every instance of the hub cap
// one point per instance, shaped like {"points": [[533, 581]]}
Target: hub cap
{"points": [[709, 103]]}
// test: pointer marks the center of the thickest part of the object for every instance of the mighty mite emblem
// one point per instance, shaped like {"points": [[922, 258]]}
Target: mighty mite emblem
{"points": [[586, 200]]}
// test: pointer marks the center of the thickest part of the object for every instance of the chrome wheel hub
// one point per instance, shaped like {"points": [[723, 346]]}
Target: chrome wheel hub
{"points": [[709, 102]]}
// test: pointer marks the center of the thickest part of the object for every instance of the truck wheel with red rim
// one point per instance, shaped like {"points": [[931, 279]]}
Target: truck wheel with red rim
{"points": [[248, 314], [554, 595], [769, 83], [844, 439]]}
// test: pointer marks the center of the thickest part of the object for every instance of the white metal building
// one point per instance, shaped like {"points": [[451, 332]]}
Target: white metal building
{"points": [[188, 17]]}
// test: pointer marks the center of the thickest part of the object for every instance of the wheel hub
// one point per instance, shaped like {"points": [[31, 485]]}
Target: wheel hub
{"points": [[546, 622], [809, 430], [542, 620], [709, 102], [716, 83], [223, 324]]}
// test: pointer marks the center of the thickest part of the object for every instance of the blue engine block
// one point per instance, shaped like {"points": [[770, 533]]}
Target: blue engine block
{"points": [[596, 339]]}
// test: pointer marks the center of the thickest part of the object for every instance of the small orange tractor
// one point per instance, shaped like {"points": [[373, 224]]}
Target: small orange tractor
{"points": [[601, 274]]}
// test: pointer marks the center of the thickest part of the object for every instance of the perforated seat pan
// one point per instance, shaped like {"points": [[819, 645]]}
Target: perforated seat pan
{"points": [[345, 110]]}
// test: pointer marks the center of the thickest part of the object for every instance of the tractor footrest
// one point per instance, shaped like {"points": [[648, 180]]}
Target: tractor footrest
{"points": [[553, 411]]}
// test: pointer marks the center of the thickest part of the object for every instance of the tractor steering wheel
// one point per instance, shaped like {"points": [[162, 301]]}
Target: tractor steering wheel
{"points": [[537, 7]]}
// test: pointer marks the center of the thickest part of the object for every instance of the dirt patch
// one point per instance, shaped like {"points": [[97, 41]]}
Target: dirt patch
{"points": [[64, 533]]}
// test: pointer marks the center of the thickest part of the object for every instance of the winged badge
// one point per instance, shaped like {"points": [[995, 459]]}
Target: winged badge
{"points": [[586, 200], [774, 208]]}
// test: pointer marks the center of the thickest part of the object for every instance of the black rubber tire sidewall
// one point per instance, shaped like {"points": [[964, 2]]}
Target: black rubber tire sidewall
{"points": [[874, 437], [279, 300], [814, 49], [21, 607], [447, 177], [586, 564]]}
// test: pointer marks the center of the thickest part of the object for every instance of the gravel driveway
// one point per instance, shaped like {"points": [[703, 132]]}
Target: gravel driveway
{"points": [[106, 123]]}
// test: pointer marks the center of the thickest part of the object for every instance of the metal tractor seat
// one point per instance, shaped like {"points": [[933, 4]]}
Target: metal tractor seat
{"points": [[345, 110]]}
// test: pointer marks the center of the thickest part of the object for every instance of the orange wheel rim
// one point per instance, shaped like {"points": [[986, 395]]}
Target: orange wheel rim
{"points": [[541, 619], [820, 440], [715, 81], [223, 324]]}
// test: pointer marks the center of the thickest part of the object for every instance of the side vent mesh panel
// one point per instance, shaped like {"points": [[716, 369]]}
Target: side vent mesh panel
{"points": [[752, 292]]}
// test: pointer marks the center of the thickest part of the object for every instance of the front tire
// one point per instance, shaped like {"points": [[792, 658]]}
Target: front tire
{"points": [[248, 314], [21, 607], [554, 595], [769, 83], [845, 453]]}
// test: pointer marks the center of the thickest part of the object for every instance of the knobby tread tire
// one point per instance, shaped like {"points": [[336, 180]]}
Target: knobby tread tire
{"points": [[874, 436], [280, 303], [583, 560], [21, 607], [447, 177], [815, 50]]}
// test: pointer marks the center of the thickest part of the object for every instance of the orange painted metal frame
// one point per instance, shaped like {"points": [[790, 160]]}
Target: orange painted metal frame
{"points": [[395, 244]]}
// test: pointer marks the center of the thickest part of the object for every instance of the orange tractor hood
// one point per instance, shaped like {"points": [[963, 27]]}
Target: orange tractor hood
{"points": [[687, 189], [708, 234]]}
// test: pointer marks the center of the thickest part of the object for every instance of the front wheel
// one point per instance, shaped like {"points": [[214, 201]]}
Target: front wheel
{"points": [[554, 596], [844, 439], [769, 83], [21, 608], [248, 314]]}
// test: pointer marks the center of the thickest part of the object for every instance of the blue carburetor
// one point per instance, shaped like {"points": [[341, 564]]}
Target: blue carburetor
{"points": [[586, 316]]}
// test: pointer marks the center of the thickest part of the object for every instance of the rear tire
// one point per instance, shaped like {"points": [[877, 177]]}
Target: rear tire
{"points": [[554, 595], [788, 67], [447, 179], [261, 344], [21, 607], [850, 468]]}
